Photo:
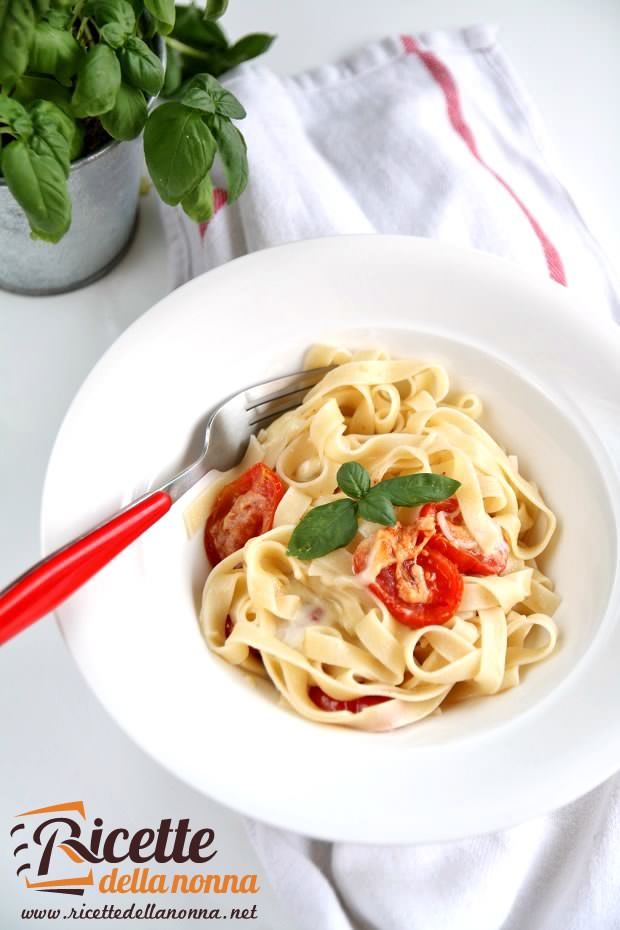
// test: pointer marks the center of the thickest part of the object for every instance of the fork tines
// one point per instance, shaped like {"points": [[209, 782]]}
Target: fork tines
{"points": [[269, 400]]}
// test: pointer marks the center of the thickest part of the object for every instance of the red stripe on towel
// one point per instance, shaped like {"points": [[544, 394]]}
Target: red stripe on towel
{"points": [[219, 199], [446, 82]]}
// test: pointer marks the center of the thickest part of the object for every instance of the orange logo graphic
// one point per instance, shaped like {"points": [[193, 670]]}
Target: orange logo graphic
{"points": [[45, 838]]}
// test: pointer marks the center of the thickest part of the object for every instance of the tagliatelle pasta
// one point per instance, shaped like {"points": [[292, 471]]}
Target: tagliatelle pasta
{"points": [[309, 625]]}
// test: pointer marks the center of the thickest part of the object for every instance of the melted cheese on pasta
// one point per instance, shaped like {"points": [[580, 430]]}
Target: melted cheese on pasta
{"points": [[315, 622]]}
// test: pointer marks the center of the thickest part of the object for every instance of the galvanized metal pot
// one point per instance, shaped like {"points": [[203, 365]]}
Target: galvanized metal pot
{"points": [[104, 190]]}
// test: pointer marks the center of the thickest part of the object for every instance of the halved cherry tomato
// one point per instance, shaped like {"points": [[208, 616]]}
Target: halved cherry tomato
{"points": [[418, 591], [445, 587], [243, 509], [462, 549], [325, 702]]}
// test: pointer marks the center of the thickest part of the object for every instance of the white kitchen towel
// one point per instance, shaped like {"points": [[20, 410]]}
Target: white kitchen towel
{"points": [[429, 136], [426, 136], [558, 872]]}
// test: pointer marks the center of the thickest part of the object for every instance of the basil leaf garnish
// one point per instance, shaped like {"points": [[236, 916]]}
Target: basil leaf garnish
{"points": [[353, 479], [377, 508], [331, 526], [411, 490], [323, 529]]}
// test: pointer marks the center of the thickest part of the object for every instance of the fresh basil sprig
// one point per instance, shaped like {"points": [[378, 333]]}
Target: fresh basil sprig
{"points": [[90, 66], [331, 526]]}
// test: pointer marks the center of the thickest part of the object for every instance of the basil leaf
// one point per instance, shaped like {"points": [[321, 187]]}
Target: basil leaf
{"points": [[113, 35], [353, 479], [17, 21], [204, 93], [194, 30], [10, 109], [56, 52], [119, 12], [174, 72], [159, 27], [227, 104], [39, 185], [141, 66], [232, 150], [127, 117], [251, 46], [197, 94], [59, 19], [99, 78], [29, 88], [53, 132], [115, 20], [215, 8], [179, 150], [198, 204], [78, 141], [163, 11], [377, 508], [323, 529], [36, 90], [14, 115], [217, 61], [137, 7], [214, 61], [411, 490], [41, 7]]}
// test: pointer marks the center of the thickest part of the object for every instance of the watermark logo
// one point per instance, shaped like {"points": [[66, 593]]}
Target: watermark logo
{"points": [[58, 849]]}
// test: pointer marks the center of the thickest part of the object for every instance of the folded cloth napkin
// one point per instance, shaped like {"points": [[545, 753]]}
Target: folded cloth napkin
{"points": [[428, 136]]}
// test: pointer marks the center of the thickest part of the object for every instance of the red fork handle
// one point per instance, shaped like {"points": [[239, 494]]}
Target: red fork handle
{"points": [[48, 583]]}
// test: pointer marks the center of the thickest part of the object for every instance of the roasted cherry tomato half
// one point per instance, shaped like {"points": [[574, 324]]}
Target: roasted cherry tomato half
{"points": [[325, 702], [418, 591], [243, 509], [453, 539]]}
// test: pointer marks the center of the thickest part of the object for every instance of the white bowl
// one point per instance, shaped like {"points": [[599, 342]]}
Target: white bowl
{"points": [[548, 383]]}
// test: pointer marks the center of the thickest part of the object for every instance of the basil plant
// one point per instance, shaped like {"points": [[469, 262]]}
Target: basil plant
{"points": [[75, 74]]}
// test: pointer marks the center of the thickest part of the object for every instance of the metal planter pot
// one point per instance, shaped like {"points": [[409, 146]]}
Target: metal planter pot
{"points": [[104, 189]]}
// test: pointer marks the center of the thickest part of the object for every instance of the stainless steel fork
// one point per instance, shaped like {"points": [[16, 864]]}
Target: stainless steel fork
{"points": [[229, 427]]}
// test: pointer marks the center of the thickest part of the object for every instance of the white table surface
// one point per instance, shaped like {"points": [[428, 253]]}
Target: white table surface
{"points": [[58, 744]]}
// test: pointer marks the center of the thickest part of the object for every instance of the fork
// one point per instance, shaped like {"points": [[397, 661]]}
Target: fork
{"points": [[229, 427]]}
